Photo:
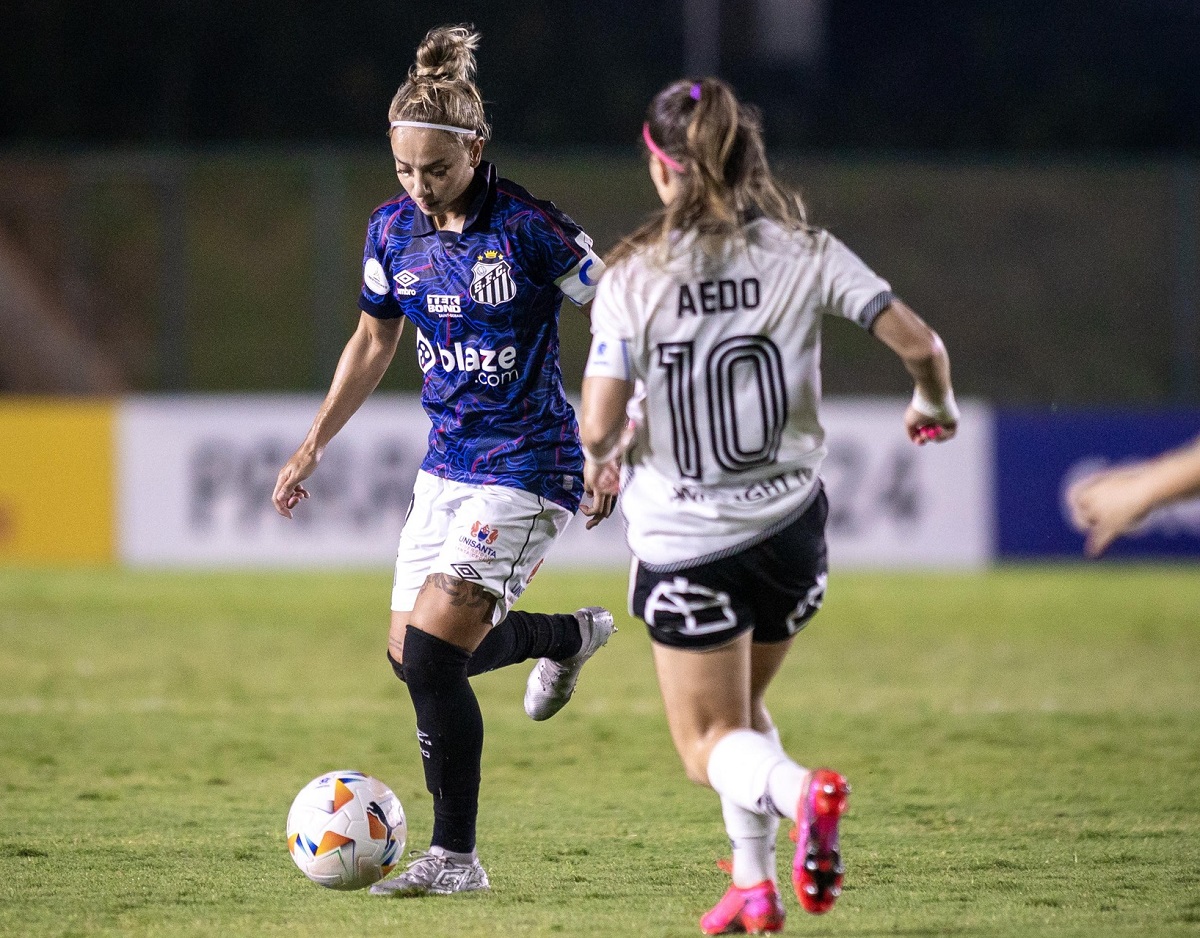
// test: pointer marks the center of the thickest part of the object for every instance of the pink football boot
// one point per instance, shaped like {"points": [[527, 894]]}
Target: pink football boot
{"points": [[817, 869], [755, 911]]}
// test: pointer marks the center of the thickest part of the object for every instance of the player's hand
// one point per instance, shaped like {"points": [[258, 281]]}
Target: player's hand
{"points": [[1106, 505], [601, 482], [600, 507], [288, 490], [922, 429]]}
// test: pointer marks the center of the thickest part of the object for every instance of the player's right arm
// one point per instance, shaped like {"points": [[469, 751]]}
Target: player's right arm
{"points": [[933, 413], [364, 361]]}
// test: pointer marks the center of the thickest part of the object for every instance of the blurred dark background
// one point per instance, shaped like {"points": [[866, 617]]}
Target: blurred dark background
{"points": [[967, 76], [184, 185]]}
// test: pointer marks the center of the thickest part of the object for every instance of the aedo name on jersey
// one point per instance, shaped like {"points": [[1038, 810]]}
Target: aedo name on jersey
{"points": [[718, 296]]}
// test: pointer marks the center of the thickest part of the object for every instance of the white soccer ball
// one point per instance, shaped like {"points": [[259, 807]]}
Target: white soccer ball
{"points": [[346, 830]]}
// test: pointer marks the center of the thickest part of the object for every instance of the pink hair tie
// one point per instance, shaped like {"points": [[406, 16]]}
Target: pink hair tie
{"points": [[658, 151], [695, 92]]}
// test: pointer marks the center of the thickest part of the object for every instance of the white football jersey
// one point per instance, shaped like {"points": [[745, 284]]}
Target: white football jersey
{"points": [[725, 353]]}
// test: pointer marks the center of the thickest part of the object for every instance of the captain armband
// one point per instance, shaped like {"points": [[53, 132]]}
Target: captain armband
{"points": [[579, 283]]}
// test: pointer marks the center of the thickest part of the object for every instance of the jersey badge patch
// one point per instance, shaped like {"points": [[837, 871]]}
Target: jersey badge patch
{"points": [[491, 279], [374, 277]]}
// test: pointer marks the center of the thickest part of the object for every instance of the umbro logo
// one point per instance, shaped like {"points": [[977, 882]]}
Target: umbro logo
{"points": [[451, 878], [404, 283]]}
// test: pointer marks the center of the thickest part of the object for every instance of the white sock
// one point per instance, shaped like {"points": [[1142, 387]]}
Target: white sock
{"points": [[773, 735], [750, 770], [752, 839]]}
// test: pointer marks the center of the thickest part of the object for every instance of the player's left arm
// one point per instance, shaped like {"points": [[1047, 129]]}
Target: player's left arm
{"points": [[933, 413]]}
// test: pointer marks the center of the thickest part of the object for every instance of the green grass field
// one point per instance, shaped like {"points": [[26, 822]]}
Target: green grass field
{"points": [[1024, 747]]}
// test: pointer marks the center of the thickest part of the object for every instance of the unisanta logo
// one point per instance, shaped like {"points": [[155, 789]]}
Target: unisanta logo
{"points": [[485, 533], [491, 279], [493, 367], [404, 283], [478, 544]]}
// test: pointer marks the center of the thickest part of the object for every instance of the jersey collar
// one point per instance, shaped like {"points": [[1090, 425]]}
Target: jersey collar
{"points": [[484, 185]]}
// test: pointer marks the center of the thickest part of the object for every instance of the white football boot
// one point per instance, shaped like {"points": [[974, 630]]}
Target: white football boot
{"points": [[432, 874], [551, 683]]}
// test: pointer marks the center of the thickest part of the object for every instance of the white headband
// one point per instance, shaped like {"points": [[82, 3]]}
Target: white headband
{"points": [[453, 130]]}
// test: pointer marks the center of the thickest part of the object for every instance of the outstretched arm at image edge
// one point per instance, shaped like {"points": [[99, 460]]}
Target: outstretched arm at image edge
{"points": [[1110, 503], [361, 367], [933, 413]]}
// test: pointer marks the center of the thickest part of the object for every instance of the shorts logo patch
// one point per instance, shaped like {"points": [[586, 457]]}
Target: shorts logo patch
{"points": [[466, 571], [682, 606], [478, 544], [808, 606], [491, 279], [485, 532]]}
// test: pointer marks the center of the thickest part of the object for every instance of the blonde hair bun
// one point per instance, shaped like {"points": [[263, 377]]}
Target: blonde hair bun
{"points": [[447, 53]]}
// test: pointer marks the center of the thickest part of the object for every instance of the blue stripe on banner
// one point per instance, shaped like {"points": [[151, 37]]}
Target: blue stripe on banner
{"points": [[1039, 454]]}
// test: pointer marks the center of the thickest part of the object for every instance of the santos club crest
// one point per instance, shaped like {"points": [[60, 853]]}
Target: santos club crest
{"points": [[491, 279]]}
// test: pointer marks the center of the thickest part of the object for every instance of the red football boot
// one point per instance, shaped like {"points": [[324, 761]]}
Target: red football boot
{"points": [[755, 911], [817, 869]]}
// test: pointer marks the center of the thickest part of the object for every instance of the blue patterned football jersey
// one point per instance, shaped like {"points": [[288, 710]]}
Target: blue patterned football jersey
{"points": [[485, 306]]}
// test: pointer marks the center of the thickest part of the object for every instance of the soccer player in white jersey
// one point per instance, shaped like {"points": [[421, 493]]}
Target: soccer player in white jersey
{"points": [[480, 267], [700, 400]]}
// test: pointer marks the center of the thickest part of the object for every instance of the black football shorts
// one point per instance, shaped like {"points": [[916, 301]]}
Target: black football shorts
{"points": [[773, 588]]}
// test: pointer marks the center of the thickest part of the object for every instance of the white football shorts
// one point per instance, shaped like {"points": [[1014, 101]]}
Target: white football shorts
{"points": [[487, 534]]}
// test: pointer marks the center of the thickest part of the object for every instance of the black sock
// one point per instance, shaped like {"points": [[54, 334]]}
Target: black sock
{"points": [[450, 733], [524, 635]]}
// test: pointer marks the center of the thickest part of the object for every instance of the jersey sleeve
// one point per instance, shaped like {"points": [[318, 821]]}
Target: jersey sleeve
{"points": [[565, 253], [850, 288], [376, 297], [612, 328]]}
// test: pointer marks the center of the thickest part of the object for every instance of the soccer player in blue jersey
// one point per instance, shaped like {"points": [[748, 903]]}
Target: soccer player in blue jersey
{"points": [[480, 268]]}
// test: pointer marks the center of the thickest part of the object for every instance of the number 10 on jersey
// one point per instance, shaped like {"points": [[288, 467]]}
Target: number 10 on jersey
{"points": [[738, 373]]}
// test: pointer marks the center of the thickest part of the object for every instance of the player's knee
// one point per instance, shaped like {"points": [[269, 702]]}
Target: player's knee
{"points": [[397, 667], [431, 663]]}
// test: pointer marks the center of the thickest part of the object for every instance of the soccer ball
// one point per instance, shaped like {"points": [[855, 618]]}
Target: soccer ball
{"points": [[346, 830]]}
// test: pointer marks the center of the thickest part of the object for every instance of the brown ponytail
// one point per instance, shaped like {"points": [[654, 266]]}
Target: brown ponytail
{"points": [[441, 83], [701, 126]]}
